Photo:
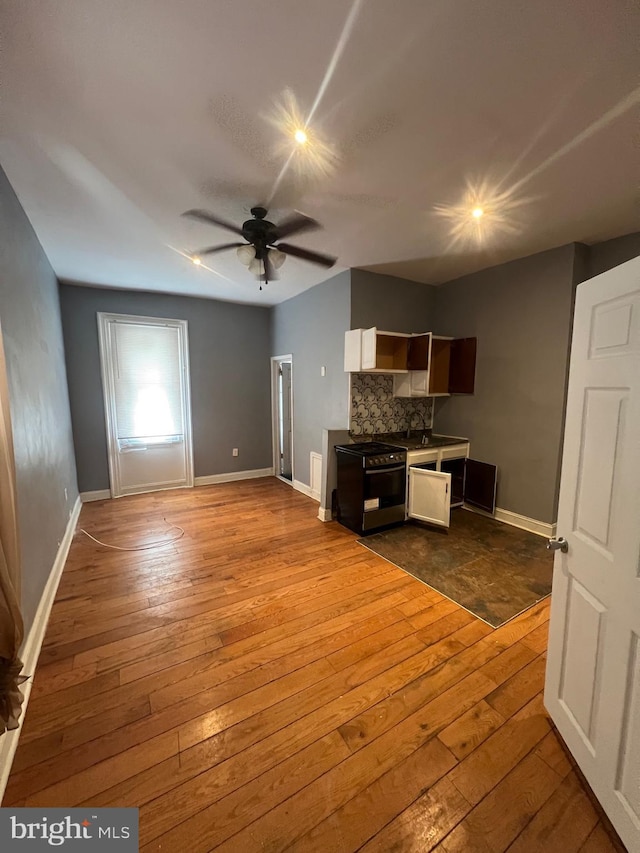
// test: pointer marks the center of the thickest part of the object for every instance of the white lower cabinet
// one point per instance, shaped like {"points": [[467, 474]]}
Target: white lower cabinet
{"points": [[441, 478], [429, 496]]}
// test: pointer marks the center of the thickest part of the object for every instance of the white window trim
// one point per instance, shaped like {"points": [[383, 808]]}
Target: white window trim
{"points": [[108, 388]]}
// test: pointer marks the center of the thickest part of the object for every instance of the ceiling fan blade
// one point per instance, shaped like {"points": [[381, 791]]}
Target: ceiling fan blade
{"points": [[307, 255], [296, 224], [211, 249], [209, 218]]}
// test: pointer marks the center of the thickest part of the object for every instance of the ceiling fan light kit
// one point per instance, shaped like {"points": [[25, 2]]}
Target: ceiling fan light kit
{"points": [[277, 257], [259, 253], [255, 266], [246, 254]]}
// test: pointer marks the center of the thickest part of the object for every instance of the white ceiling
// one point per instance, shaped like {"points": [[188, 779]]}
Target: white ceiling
{"points": [[119, 115]]}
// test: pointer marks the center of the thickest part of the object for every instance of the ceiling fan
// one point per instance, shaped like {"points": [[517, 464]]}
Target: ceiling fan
{"points": [[260, 253]]}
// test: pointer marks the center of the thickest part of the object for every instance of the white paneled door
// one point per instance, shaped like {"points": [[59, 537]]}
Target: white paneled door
{"points": [[145, 377], [593, 674]]}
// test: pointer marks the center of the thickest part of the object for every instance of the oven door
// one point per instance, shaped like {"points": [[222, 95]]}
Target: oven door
{"points": [[384, 487]]}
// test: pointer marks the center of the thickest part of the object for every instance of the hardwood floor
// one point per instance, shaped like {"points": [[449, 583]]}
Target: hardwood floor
{"points": [[265, 683]]}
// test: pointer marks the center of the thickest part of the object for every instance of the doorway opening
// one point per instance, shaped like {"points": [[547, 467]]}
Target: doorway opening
{"points": [[145, 380], [282, 416]]}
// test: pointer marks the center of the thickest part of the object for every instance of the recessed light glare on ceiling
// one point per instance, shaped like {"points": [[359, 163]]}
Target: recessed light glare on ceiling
{"points": [[189, 257], [483, 214], [300, 144], [196, 260]]}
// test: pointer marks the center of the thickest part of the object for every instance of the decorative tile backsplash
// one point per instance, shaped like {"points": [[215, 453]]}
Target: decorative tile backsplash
{"points": [[374, 409]]}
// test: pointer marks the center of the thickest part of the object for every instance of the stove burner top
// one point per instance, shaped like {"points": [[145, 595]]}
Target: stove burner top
{"points": [[370, 448]]}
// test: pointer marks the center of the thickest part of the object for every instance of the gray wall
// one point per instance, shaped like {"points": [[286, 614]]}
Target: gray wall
{"points": [[611, 253], [30, 319], [392, 304], [521, 313], [230, 381], [311, 327]]}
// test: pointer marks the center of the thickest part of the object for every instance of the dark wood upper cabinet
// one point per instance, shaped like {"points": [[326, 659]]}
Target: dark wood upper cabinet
{"points": [[462, 366], [418, 352], [440, 367]]}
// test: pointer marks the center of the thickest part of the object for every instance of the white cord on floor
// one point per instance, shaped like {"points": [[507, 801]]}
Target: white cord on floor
{"points": [[139, 547]]}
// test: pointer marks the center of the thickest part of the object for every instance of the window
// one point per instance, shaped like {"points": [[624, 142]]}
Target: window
{"points": [[148, 395]]}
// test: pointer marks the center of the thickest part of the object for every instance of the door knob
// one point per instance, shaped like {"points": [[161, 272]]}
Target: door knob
{"points": [[559, 544]]}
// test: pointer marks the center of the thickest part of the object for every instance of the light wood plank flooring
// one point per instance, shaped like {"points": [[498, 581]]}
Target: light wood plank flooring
{"points": [[266, 683]]}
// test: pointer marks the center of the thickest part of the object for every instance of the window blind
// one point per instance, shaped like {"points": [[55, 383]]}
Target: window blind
{"points": [[148, 399]]}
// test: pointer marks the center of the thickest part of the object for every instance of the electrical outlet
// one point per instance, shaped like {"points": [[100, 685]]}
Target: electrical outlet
{"points": [[234, 452]]}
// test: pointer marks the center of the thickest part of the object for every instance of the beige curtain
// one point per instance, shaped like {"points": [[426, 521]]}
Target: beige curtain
{"points": [[11, 625]]}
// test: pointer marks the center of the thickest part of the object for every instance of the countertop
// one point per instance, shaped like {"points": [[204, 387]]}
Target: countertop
{"points": [[414, 442]]}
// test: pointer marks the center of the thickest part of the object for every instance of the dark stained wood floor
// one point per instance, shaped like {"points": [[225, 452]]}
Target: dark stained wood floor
{"points": [[266, 683]]}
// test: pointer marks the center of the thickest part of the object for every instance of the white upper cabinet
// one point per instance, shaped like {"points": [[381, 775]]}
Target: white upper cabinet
{"points": [[353, 350], [373, 351], [424, 365], [415, 383], [384, 352]]}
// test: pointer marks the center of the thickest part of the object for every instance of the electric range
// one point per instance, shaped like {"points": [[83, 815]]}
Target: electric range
{"points": [[371, 486]]}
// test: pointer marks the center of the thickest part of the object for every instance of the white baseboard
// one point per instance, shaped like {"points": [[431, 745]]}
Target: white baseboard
{"points": [[324, 514], [542, 528], [306, 490], [212, 479], [33, 643], [98, 495]]}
